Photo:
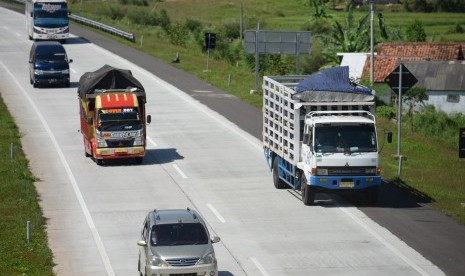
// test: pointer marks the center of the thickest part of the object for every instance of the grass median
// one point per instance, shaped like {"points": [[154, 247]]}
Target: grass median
{"points": [[18, 205]]}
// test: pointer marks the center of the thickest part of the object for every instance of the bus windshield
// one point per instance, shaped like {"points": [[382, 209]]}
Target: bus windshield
{"points": [[51, 15], [345, 138]]}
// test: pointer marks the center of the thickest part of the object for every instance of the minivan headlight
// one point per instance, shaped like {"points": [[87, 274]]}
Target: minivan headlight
{"points": [[157, 261], [208, 259], [39, 72]]}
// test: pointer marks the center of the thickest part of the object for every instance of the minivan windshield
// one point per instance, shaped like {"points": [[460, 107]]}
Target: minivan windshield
{"points": [[178, 234], [51, 58]]}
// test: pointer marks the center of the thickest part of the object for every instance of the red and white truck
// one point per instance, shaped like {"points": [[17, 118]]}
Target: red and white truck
{"points": [[112, 114]]}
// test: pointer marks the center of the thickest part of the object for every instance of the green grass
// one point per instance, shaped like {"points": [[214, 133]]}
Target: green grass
{"points": [[19, 204], [432, 168]]}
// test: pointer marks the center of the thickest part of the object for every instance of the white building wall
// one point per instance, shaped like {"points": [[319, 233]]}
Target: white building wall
{"points": [[439, 100]]}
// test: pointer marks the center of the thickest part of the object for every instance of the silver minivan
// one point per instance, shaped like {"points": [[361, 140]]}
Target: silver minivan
{"points": [[176, 242]]}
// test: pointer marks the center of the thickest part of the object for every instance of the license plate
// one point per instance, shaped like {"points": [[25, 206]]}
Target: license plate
{"points": [[346, 184], [121, 150]]}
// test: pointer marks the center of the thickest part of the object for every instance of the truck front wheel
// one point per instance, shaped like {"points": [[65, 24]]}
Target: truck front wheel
{"points": [[278, 182], [307, 191]]}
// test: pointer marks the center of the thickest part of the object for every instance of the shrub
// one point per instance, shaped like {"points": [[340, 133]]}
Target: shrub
{"points": [[386, 111], [178, 34]]}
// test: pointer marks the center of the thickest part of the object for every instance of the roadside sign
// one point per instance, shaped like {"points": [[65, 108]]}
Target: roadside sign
{"points": [[408, 79], [462, 143], [210, 40]]}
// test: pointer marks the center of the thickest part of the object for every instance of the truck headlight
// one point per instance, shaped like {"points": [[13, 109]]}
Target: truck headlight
{"points": [[157, 261], [99, 140], [370, 171], [139, 139], [208, 259], [321, 171]]}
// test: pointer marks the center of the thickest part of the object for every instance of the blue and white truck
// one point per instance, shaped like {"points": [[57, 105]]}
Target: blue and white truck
{"points": [[319, 134]]}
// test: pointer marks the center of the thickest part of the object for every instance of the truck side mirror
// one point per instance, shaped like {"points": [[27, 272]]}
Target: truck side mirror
{"points": [[149, 119], [389, 137], [89, 120], [305, 138]]}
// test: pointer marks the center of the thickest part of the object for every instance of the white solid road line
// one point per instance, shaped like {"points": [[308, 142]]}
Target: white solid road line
{"points": [[350, 212], [77, 191], [217, 214]]}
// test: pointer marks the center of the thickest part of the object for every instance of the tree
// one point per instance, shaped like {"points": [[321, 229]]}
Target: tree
{"points": [[415, 32], [413, 98], [352, 37]]}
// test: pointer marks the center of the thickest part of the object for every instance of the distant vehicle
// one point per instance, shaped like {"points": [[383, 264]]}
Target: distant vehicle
{"points": [[47, 19], [319, 134], [176, 242], [112, 114], [48, 64]]}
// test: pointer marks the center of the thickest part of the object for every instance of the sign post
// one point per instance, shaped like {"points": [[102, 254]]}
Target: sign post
{"points": [[462, 143], [400, 80], [276, 42], [210, 43]]}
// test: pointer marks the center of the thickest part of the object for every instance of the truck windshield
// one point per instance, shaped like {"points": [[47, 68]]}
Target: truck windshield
{"points": [[119, 121], [345, 138], [178, 234], [51, 15]]}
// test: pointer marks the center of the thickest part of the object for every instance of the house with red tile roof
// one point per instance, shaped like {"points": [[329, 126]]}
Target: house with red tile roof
{"points": [[438, 66], [390, 54]]}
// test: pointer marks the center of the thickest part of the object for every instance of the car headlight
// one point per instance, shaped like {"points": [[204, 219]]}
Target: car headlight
{"points": [[208, 259], [157, 261], [66, 71]]}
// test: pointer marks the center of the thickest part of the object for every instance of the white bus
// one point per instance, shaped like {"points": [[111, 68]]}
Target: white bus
{"points": [[47, 19]]}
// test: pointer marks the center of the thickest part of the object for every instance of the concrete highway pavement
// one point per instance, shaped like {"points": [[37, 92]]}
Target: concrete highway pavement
{"points": [[196, 158]]}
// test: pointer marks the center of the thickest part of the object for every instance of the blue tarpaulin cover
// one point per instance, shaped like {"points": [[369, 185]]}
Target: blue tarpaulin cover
{"points": [[332, 84]]}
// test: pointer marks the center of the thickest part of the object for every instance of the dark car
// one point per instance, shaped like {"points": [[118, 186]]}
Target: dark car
{"points": [[48, 64]]}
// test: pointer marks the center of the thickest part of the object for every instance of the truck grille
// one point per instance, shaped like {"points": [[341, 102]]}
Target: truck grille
{"points": [[182, 261], [349, 170], [119, 143]]}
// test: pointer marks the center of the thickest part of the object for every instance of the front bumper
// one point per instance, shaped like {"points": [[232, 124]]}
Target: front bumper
{"points": [[52, 79], [345, 182], [124, 152], [198, 270]]}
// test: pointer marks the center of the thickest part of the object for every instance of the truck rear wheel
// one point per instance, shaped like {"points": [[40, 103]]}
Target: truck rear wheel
{"points": [[278, 182], [308, 193]]}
